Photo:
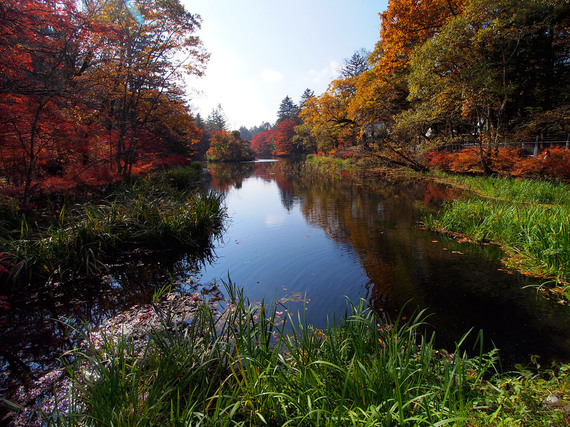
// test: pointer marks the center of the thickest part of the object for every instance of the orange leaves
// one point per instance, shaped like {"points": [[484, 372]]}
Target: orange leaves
{"points": [[408, 23], [553, 163]]}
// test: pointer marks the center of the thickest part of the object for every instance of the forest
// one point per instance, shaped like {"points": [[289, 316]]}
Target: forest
{"points": [[91, 91], [483, 77], [102, 180]]}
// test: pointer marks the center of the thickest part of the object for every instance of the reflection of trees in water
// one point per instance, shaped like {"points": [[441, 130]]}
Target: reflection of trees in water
{"points": [[463, 285], [226, 175]]}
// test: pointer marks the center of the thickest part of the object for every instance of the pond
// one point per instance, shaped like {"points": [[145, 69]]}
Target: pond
{"points": [[330, 241], [316, 242]]}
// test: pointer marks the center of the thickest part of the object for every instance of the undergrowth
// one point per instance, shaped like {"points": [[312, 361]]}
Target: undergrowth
{"points": [[160, 211]]}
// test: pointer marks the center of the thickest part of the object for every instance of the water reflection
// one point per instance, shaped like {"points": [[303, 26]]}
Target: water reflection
{"points": [[367, 242], [41, 325]]}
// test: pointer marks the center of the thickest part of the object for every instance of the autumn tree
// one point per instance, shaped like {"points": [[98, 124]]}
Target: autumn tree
{"points": [[148, 50], [488, 66], [263, 143], [284, 133], [229, 147], [42, 56]]}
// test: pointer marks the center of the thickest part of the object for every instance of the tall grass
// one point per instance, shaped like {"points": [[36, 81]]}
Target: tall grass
{"points": [[517, 190], [238, 367], [157, 212], [538, 236]]}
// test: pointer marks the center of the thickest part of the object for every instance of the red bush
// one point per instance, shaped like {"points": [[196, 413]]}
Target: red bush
{"points": [[553, 163]]}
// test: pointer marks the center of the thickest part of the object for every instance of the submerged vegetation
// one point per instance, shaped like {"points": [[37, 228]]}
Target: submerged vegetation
{"points": [[239, 366], [163, 210]]}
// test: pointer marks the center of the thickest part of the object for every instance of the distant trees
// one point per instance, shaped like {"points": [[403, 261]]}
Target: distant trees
{"points": [[229, 147], [282, 139], [217, 120]]}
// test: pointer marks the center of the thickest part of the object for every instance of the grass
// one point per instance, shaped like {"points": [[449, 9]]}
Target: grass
{"points": [[516, 190], [238, 366], [161, 211], [530, 219]]}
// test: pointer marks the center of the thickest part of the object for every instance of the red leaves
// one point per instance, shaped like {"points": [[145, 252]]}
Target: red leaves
{"points": [[553, 163], [284, 137], [263, 143]]}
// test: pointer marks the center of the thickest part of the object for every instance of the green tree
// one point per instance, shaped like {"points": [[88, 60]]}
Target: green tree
{"points": [[287, 109], [216, 120]]}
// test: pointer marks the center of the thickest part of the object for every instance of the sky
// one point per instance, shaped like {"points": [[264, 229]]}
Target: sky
{"points": [[264, 50]]}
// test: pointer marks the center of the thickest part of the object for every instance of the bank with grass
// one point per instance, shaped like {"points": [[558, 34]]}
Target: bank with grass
{"points": [[161, 211], [251, 364], [530, 219]]}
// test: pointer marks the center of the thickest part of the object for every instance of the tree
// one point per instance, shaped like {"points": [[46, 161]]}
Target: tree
{"points": [[216, 120], [42, 56], [245, 133], [477, 74], [145, 55], [287, 109], [228, 147], [284, 134], [305, 96], [355, 65], [263, 143]]}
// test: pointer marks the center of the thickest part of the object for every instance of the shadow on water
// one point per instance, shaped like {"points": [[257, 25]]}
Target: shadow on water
{"points": [[376, 225]]}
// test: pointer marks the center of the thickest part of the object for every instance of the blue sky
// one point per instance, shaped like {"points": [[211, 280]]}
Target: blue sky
{"points": [[264, 50]]}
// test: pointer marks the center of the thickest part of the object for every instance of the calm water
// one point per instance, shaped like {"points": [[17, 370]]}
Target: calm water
{"points": [[329, 241], [290, 238]]}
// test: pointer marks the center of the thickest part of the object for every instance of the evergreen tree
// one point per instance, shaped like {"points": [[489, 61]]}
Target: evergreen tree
{"points": [[216, 120], [356, 64], [308, 93], [287, 110]]}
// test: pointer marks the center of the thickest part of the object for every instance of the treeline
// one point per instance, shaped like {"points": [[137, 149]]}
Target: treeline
{"points": [[90, 90], [477, 72]]}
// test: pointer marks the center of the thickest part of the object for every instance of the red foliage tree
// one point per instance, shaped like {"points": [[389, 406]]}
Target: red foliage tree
{"points": [[284, 134], [42, 55], [263, 143]]}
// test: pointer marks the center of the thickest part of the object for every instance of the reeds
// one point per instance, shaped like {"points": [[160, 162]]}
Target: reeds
{"points": [[240, 367], [536, 236], [157, 212]]}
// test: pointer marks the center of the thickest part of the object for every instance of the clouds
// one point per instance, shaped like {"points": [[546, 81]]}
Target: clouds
{"points": [[325, 75], [271, 76]]}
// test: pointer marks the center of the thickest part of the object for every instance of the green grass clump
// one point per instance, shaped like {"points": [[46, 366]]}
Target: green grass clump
{"points": [[239, 366], [518, 190], [156, 212], [530, 219]]}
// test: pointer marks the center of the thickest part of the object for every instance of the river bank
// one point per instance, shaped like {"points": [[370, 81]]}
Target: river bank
{"points": [[197, 361], [528, 218], [246, 378]]}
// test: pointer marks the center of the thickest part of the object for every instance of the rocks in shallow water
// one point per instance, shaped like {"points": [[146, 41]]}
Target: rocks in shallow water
{"points": [[52, 393]]}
